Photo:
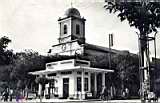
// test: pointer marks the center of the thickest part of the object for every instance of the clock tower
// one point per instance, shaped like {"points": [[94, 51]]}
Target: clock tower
{"points": [[72, 27], [72, 34]]}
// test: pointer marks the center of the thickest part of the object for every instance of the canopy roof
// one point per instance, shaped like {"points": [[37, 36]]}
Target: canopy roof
{"points": [[78, 68]]}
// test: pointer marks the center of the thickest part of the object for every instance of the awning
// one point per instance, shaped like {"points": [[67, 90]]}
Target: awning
{"points": [[60, 69], [97, 69]]}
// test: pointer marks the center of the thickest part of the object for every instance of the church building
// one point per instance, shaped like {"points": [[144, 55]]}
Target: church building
{"points": [[74, 78]]}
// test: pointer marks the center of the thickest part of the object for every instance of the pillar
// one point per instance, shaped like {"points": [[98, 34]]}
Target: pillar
{"points": [[75, 85], [103, 79], [82, 85], [95, 84], [39, 89], [89, 82]]}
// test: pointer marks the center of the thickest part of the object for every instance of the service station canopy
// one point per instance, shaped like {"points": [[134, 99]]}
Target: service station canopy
{"points": [[69, 65]]}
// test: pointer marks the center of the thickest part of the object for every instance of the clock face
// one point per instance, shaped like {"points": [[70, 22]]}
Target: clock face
{"points": [[63, 47]]}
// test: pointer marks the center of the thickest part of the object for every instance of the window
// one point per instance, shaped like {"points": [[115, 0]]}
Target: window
{"points": [[86, 73], [65, 29], [77, 29], [78, 83], [66, 73], [86, 84], [79, 73], [66, 62], [52, 74]]}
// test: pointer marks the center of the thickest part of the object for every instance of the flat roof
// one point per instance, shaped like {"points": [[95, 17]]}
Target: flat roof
{"points": [[49, 71]]}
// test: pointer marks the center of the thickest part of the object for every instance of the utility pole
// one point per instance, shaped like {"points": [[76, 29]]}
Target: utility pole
{"points": [[109, 56], [110, 45]]}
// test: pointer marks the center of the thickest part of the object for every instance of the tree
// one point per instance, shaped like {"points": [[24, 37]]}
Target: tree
{"points": [[25, 62], [42, 80], [126, 72], [5, 61], [144, 16], [4, 53]]}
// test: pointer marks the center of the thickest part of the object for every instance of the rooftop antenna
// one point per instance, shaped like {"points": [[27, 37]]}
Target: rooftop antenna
{"points": [[71, 4]]}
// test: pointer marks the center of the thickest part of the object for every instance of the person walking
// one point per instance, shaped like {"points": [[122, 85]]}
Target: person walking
{"points": [[103, 93], [6, 94], [3, 95], [10, 94]]}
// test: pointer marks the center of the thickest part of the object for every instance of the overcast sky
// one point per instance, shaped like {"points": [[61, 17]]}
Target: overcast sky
{"points": [[32, 24]]}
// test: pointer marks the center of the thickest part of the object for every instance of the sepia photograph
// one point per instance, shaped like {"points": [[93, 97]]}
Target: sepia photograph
{"points": [[79, 51]]}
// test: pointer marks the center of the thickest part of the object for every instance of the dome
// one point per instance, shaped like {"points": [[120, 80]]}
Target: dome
{"points": [[72, 12]]}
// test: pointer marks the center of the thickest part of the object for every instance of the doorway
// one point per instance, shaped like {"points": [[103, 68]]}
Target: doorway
{"points": [[65, 88]]}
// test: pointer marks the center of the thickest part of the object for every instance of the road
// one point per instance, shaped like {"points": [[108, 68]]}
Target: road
{"points": [[110, 101]]}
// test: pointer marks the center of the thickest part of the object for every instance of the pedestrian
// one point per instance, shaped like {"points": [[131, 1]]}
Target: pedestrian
{"points": [[3, 95], [127, 92], [6, 94], [10, 94], [17, 96], [103, 93]]}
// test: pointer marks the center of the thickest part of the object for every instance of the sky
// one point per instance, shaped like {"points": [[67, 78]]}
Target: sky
{"points": [[32, 24]]}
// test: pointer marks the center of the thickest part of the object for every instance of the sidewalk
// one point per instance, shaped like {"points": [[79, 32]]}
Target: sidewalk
{"points": [[69, 100]]}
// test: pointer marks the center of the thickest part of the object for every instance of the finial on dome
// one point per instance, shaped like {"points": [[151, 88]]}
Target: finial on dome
{"points": [[71, 4]]}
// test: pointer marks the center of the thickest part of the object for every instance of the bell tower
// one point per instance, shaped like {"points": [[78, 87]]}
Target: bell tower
{"points": [[72, 27]]}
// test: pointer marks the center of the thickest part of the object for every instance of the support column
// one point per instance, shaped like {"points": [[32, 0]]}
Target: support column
{"points": [[39, 89], [89, 82], [75, 85], [95, 84], [82, 85], [103, 79]]}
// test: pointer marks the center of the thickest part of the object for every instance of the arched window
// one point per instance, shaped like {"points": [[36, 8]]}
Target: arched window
{"points": [[77, 29], [65, 29]]}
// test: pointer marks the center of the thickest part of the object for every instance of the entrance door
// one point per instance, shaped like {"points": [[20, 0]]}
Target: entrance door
{"points": [[65, 87]]}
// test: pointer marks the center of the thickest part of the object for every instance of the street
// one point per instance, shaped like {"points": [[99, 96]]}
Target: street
{"points": [[92, 101]]}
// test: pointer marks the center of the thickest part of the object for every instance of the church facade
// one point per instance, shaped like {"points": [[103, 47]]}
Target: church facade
{"points": [[74, 78]]}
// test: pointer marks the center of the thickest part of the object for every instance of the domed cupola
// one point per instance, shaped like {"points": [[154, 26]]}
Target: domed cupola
{"points": [[72, 26], [72, 12]]}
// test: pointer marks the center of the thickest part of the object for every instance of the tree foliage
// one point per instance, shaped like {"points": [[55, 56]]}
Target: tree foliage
{"points": [[5, 54], [42, 80], [15, 73], [24, 63], [126, 72], [145, 18]]}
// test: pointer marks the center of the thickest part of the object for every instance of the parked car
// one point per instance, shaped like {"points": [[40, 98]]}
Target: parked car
{"points": [[32, 95], [152, 96]]}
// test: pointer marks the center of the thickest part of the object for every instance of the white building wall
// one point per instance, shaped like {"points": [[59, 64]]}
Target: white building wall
{"points": [[79, 22], [72, 77], [71, 86], [60, 85], [68, 23], [71, 48]]}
